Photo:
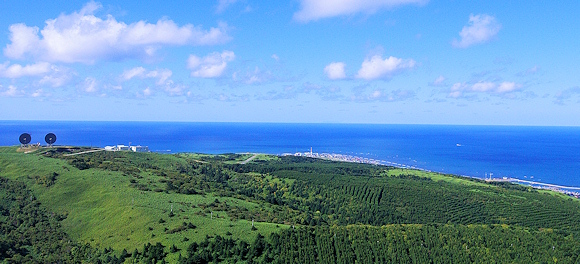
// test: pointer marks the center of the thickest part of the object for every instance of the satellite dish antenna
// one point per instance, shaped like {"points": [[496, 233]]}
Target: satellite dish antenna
{"points": [[25, 139], [50, 138]]}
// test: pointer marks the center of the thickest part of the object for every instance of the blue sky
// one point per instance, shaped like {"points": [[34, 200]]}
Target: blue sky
{"points": [[305, 61]]}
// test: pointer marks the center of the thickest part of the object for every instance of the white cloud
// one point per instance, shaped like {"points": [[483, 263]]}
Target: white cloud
{"points": [[147, 91], [257, 76], [39, 93], [440, 81], [174, 89], [375, 67], [55, 80], [335, 70], [162, 75], [456, 90], [376, 94], [210, 66], [459, 89], [163, 81], [383, 95], [530, 71], [90, 85], [565, 95], [115, 87], [286, 92], [481, 28], [506, 87], [23, 38], [401, 95], [316, 9], [57, 77], [483, 86], [52, 75], [129, 74], [83, 37], [454, 94], [275, 57], [12, 92], [16, 70]]}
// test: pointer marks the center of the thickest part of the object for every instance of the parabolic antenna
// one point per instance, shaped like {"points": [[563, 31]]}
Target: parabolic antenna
{"points": [[50, 138], [25, 138]]}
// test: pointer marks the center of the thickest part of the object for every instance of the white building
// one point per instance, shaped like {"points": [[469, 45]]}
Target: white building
{"points": [[127, 148], [122, 147], [140, 148]]}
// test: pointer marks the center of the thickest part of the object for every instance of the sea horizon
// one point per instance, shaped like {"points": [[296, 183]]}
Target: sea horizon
{"points": [[547, 154]]}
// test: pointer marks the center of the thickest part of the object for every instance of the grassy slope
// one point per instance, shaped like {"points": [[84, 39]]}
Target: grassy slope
{"points": [[459, 180], [102, 209]]}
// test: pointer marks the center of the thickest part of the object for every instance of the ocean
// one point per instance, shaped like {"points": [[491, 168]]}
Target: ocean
{"points": [[542, 154]]}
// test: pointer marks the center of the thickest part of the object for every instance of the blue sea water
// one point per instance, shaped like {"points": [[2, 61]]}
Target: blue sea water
{"points": [[543, 154]]}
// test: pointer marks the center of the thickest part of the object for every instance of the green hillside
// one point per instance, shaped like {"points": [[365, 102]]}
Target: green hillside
{"points": [[195, 208]]}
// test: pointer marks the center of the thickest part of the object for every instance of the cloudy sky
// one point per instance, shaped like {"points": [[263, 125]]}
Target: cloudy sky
{"points": [[308, 61]]}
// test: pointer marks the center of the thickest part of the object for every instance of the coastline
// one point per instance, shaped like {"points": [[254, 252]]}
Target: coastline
{"points": [[506, 151], [567, 190], [351, 158], [547, 155]]}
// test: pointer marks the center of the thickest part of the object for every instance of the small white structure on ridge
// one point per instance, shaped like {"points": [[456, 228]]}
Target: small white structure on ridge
{"points": [[140, 148], [127, 148]]}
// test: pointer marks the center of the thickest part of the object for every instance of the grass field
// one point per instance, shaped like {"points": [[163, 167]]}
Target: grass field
{"points": [[103, 210], [122, 200]]}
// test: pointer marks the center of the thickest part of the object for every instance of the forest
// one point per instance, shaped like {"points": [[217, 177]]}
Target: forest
{"points": [[197, 208]]}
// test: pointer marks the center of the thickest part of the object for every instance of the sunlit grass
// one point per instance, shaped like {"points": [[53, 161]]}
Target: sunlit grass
{"points": [[107, 209], [103, 210]]}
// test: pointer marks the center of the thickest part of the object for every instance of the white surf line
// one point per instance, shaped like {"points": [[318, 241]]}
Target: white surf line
{"points": [[539, 183]]}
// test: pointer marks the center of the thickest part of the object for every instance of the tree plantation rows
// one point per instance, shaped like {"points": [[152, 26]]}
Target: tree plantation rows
{"points": [[316, 192], [324, 212], [393, 244]]}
